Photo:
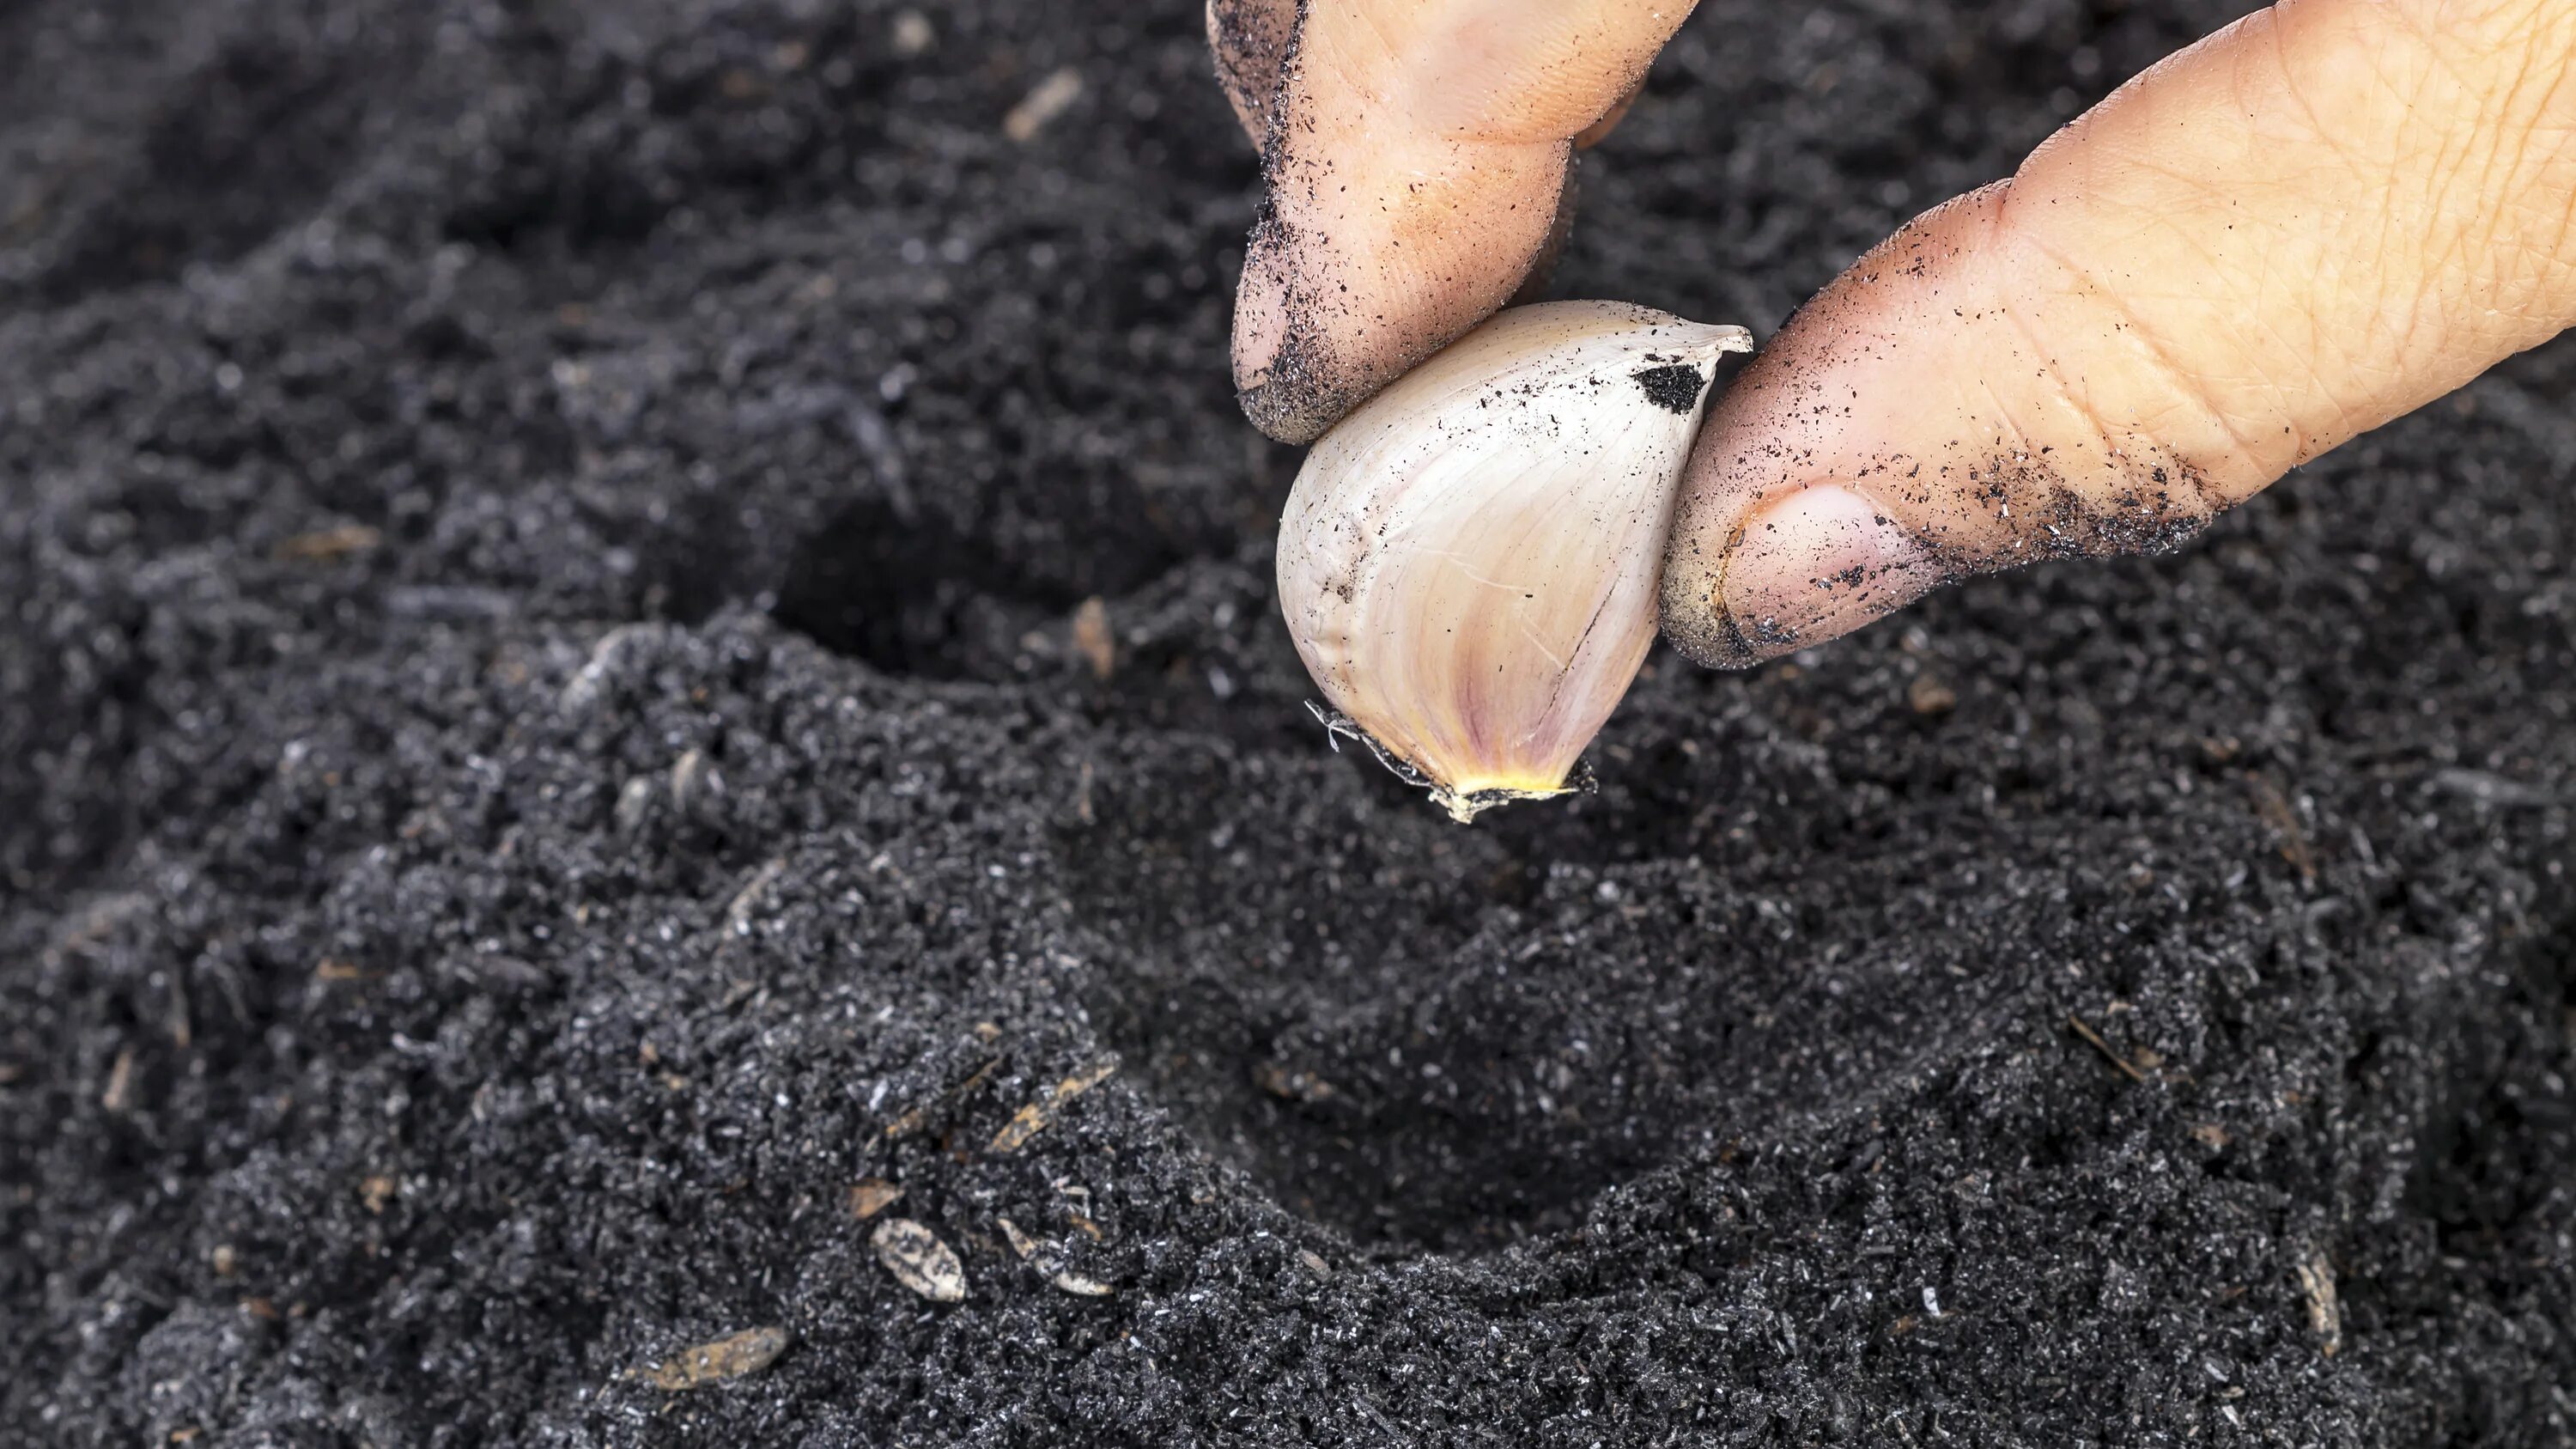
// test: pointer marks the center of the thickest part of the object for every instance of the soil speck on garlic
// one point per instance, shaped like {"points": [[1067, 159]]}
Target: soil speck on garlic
{"points": [[1468, 562]]}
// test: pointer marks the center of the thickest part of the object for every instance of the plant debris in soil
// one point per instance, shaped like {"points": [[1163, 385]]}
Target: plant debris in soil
{"points": [[556, 745]]}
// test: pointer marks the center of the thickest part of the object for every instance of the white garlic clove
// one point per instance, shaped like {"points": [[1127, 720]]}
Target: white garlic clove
{"points": [[1469, 560]]}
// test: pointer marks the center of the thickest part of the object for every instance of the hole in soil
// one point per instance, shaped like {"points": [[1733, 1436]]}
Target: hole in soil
{"points": [[2481, 1165], [1341, 1001], [912, 596]]}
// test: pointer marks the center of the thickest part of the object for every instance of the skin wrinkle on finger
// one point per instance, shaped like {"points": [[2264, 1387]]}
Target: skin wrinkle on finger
{"points": [[2150, 420], [2276, 28], [2445, 165], [2505, 66], [2198, 367], [2270, 380], [2203, 389], [2554, 264], [2067, 390], [2294, 367], [1560, 67], [2181, 391], [2432, 39], [2547, 92]]}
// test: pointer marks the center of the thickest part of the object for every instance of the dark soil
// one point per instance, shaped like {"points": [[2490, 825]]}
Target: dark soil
{"points": [[546, 739]]}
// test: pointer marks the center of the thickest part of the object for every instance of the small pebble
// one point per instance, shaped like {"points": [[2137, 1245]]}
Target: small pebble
{"points": [[1928, 694], [694, 782], [2325, 1314], [912, 33], [1091, 635], [634, 804], [919, 1261]]}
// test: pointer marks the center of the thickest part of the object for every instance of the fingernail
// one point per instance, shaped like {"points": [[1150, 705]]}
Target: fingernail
{"points": [[1818, 564]]}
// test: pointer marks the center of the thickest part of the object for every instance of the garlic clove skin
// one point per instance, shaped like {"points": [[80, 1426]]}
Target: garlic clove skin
{"points": [[1469, 562]]}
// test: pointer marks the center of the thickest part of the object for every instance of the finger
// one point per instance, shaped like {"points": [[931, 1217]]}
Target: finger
{"points": [[1593, 135], [1533, 286], [1250, 39], [1416, 158], [2308, 224]]}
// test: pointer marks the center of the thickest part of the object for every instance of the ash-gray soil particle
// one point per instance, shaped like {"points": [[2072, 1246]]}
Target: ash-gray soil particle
{"points": [[543, 741]]}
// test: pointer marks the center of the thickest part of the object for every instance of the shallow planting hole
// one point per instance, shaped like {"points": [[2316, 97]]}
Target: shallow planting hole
{"points": [[1357, 1017], [909, 594]]}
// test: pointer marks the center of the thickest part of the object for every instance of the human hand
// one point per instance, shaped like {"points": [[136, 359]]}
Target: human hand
{"points": [[2305, 225]]}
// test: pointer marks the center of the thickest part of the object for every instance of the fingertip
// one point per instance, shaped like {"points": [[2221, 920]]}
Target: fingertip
{"points": [[1283, 372], [1393, 226], [1250, 39], [1542, 268], [1287, 406], [1704, 632], [1693, 614], [1317, 332], [1260, 320]]}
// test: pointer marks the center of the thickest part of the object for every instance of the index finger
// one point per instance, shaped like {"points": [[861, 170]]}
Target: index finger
{"points": [[1416, 158]]}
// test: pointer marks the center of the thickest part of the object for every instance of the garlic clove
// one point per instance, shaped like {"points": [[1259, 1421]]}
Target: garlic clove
{"points": [[1469, 561]]}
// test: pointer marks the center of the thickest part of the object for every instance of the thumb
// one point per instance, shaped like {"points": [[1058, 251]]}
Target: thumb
{"points": [[2310, 223]]}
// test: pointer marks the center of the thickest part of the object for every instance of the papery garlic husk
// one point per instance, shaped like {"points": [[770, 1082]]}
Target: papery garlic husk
{"points": [[1469, 561]]}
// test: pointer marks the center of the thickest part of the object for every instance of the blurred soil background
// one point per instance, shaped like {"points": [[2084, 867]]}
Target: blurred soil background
{"points": [[631, 628]]}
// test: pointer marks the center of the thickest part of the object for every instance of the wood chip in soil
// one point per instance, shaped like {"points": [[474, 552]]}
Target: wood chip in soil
{"points": [[1032, 1119], [871, 1196], [1091, 635], [725, 1359], [1050, 1261], [2325, 1315]]}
